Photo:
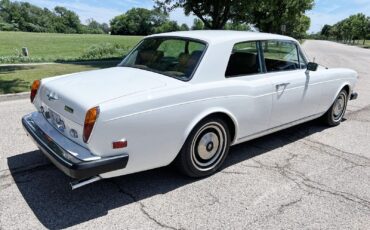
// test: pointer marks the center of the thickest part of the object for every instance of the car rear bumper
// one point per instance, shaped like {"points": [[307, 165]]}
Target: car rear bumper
{"points": [[66, 158]]}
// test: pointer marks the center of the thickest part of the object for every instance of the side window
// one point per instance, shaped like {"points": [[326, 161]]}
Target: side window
{"points": [[243, 60], [280, 55], [195, 46]]}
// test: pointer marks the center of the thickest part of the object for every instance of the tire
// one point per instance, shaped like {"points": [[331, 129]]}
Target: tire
{"points": [[205, 149], [335, 114]]}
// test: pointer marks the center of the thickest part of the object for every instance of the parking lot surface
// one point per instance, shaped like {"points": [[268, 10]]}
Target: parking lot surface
{"points": [[306, 177]]}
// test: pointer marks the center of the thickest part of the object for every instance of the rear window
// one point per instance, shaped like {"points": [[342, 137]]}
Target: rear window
{"points": [[173, 57]]}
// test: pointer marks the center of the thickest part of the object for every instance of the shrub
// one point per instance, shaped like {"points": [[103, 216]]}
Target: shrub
{"points": [[104, 50], [19, 59]]}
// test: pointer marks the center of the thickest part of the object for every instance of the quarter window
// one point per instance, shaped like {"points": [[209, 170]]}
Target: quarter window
{"points": [[280, 56], [302, 60], [243, 60]]}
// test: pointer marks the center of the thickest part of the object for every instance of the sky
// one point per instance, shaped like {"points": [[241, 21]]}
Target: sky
{"points": [[324, 11]]}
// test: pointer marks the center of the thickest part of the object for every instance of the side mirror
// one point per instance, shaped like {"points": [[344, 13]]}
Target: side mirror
{"points": [[312, 66]]}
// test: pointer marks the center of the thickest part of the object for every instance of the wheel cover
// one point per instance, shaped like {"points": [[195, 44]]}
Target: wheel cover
{"points": [[208, 146], [339, 107]]}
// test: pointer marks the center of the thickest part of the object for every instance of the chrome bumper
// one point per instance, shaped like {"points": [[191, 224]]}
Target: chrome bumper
{"points": [[68, 159]]}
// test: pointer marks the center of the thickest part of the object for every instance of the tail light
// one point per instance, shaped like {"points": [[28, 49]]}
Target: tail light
{"points": [[91, 116], [34, 87]]}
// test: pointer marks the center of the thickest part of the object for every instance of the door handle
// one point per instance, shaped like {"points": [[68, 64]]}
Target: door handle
{"points": [[282, 85]]}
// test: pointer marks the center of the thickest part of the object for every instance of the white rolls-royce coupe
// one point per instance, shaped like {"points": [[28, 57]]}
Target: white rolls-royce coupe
{"points": [[182, 98]]}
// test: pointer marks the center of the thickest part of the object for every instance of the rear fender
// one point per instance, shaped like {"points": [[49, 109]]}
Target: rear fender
{"points": [[207, 113]]}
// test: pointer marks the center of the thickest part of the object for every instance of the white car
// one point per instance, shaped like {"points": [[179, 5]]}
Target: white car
{"points": [[183, 98]]}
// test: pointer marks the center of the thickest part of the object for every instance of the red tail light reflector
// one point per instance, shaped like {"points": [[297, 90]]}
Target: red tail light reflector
{"points": [[119, 144]]}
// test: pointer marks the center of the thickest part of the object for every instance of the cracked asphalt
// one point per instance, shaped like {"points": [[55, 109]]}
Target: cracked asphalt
{"points": [[305, 177]]}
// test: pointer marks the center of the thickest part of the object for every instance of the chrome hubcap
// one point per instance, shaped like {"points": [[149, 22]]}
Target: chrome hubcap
{"points": [[208, 146], [339, 107]]}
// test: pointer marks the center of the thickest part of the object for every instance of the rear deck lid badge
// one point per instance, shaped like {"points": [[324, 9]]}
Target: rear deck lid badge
{"points": [[68, 109]]}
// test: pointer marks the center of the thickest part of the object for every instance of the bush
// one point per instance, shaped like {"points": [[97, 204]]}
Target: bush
{"points": [[7, 27], [19, 59], [104, 50]]}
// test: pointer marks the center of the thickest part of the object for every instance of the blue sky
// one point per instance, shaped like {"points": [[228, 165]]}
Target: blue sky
{"points": [[324, 11]]}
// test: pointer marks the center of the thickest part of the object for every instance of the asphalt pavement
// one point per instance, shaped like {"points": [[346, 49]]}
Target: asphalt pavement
{"points": [[306, 177]]}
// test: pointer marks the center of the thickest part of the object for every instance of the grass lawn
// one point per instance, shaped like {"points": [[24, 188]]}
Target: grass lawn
{"points": [[367, 44], [15, 79], [52, 47], [359, 43]]}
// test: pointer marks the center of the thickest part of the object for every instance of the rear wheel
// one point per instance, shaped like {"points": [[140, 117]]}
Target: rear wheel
{"points": [[336, 112], [205, 148]]}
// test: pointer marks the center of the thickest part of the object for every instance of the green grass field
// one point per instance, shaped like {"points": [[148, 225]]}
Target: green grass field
{"points": [[46, 47], [15, 79], [52, 47]]}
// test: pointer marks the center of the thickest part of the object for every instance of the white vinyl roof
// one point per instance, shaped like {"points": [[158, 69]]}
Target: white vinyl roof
{"points": [[219, 36]]}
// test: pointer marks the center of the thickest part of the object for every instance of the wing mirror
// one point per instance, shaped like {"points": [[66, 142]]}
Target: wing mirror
{"points": [[312, 66]]}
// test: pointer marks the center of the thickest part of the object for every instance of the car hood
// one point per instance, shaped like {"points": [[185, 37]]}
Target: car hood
{"points": [[84, 90]]}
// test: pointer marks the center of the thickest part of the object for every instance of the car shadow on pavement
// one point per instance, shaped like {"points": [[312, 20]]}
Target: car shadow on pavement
{"points": [[46, 190]]}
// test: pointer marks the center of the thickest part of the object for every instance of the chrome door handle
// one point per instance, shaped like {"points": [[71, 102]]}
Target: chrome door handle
{"points": [[282, 85]]}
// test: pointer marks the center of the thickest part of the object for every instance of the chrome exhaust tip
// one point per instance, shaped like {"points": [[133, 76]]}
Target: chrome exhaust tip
{"points": [[79, 183]]}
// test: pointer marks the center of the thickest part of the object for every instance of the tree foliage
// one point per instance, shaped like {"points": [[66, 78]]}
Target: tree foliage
{"points": [[94, 27], [213, 13], [23, 16], [140, 21], [348, 30], [270, 15], [197, 24], [265, 15]]}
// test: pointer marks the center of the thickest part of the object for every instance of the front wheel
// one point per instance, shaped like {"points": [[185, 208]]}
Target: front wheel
{"points": [[205, 149], [336, 112]]}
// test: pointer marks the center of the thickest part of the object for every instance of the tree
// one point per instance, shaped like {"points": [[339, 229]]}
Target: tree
{"points": [[197, 24], [213, 13], [300, 27], [67, 21], [24, 16], [105, 27], [270, 15], [326, 31], [94, 27], [167, 26], [184, 27], [359, 23], [137, 21], [237, 26]]}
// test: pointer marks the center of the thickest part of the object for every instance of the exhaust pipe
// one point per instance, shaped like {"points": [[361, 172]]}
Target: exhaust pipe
{"points": [[79, 183]]}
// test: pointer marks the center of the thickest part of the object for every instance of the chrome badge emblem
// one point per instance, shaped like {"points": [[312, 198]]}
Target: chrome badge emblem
{"points": [[52, 96], [73, 133]]}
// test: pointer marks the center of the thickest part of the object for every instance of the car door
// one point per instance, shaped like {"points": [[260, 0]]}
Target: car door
{"points": [[295, 94], [245, 70]]}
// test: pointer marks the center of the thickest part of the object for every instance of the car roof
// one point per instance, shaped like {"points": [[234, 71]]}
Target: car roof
{"points": [[220, 36]]}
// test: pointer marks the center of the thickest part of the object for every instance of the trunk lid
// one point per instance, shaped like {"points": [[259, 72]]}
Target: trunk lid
{"points": [[73, 95]]}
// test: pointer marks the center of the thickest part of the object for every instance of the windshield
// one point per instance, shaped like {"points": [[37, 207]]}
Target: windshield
{"points": [[173, 57]]}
